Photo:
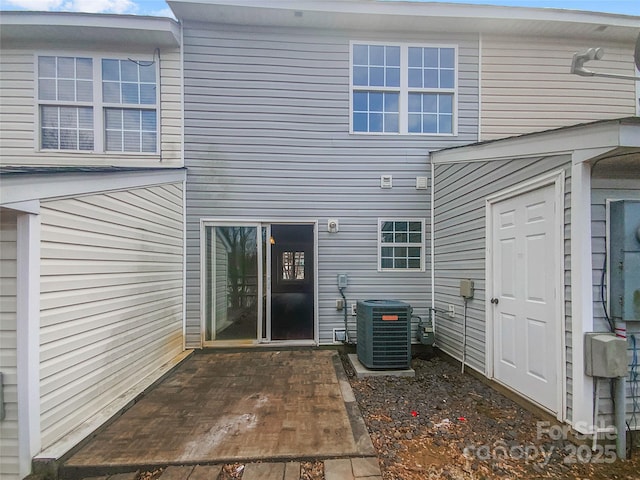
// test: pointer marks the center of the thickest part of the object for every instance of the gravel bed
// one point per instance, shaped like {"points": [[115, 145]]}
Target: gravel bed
{"points": [[444, 424]]}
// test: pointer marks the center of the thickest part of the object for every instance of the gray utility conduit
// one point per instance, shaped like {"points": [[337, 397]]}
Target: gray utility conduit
{"points": [[344, 309]]}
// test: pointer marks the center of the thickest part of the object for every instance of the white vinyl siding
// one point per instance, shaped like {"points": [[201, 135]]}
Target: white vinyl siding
{"points": [[19, 138], [460, 245], [267, 137], [9, 466], [111, 298], [526, 85], [603, 190]]}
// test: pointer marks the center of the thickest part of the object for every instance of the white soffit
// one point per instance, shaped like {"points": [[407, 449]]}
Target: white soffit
{"points": [[406, 16]]}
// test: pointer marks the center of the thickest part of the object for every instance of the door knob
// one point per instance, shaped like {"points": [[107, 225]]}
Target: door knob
{"points": [[494, 301]]}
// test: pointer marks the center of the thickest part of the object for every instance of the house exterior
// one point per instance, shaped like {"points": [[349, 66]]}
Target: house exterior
{"points": [[325, 113], [326, 116], [207, 182], [91, 208]]}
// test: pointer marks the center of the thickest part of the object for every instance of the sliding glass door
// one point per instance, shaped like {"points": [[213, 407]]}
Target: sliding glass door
{"points": [[234, 267], [258, 282]]}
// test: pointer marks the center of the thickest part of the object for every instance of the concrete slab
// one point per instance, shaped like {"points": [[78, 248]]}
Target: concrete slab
{"points": [[205, 472], [223, 407], [338, 469], [177, 473], [365, 467], [263, 471], [362, 371], [292, 471], [124, 476]]}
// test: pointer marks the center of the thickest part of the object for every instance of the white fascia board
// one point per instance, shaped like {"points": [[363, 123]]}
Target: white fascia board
{"points": [[609, 135], [28, 187], [412, 16], [630, 135], [123, 28], [30, 206], [412, 9]]}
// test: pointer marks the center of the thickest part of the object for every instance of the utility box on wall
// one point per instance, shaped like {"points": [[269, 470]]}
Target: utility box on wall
{"points": [[605, 355], [624, 255]]}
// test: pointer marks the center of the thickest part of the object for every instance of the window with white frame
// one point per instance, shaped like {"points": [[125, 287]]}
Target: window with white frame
{"points": [[403, 89], [129, 96], [65, 92], [97, 104], [401, 244]]}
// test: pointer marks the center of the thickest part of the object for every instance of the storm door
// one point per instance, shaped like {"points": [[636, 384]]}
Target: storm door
{"points": [[233, 272], [292, 282]]}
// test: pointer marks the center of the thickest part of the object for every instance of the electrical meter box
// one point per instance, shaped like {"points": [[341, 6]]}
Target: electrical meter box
{"points": [[466, 288], [624, 257], [605, 355]]}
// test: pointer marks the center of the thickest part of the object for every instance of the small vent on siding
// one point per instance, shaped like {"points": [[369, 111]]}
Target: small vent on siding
{"points": [[421, 183], [386, 181]]}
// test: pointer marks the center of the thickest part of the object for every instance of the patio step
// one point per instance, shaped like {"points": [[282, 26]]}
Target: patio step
{"points": [[335, 469]]}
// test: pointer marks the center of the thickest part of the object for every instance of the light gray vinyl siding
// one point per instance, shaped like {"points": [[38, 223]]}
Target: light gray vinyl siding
{"points": [[18, 106], [267, 138], [111, 298], [9, 466], [602, 191], [460, 245], [527, 85]]}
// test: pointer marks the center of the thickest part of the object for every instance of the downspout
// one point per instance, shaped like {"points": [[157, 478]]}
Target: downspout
{"points": [[184, 199], [432, 248], [479, 87]]}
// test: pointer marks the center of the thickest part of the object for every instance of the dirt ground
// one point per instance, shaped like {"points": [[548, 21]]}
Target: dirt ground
{"points": [[443, 424]]}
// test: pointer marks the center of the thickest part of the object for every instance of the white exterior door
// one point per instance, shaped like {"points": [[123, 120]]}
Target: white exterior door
{"points": [[525, 283]]}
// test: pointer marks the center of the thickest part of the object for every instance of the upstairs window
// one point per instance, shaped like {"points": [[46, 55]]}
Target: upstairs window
{"points": [[65, 91], [403, 89], [129, 96], [376, 88], [432, 77], [95, 104]]}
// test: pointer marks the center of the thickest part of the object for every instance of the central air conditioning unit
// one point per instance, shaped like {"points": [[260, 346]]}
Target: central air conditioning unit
{"points": [[384, 334]]}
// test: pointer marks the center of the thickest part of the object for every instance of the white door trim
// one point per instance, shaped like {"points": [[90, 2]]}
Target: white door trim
{"points": [[557, 179]]}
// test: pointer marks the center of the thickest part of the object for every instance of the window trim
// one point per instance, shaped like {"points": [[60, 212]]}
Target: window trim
{"points": [[422, 244], [404, 89], [98, 105]]}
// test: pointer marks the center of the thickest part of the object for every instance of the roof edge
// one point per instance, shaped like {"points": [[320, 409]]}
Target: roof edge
{"points": [[421, 9], [621, 132], [167, 28]]}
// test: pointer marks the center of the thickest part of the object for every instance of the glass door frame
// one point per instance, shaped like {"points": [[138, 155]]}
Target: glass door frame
{"points": [[204, 224], [264, 285]]}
